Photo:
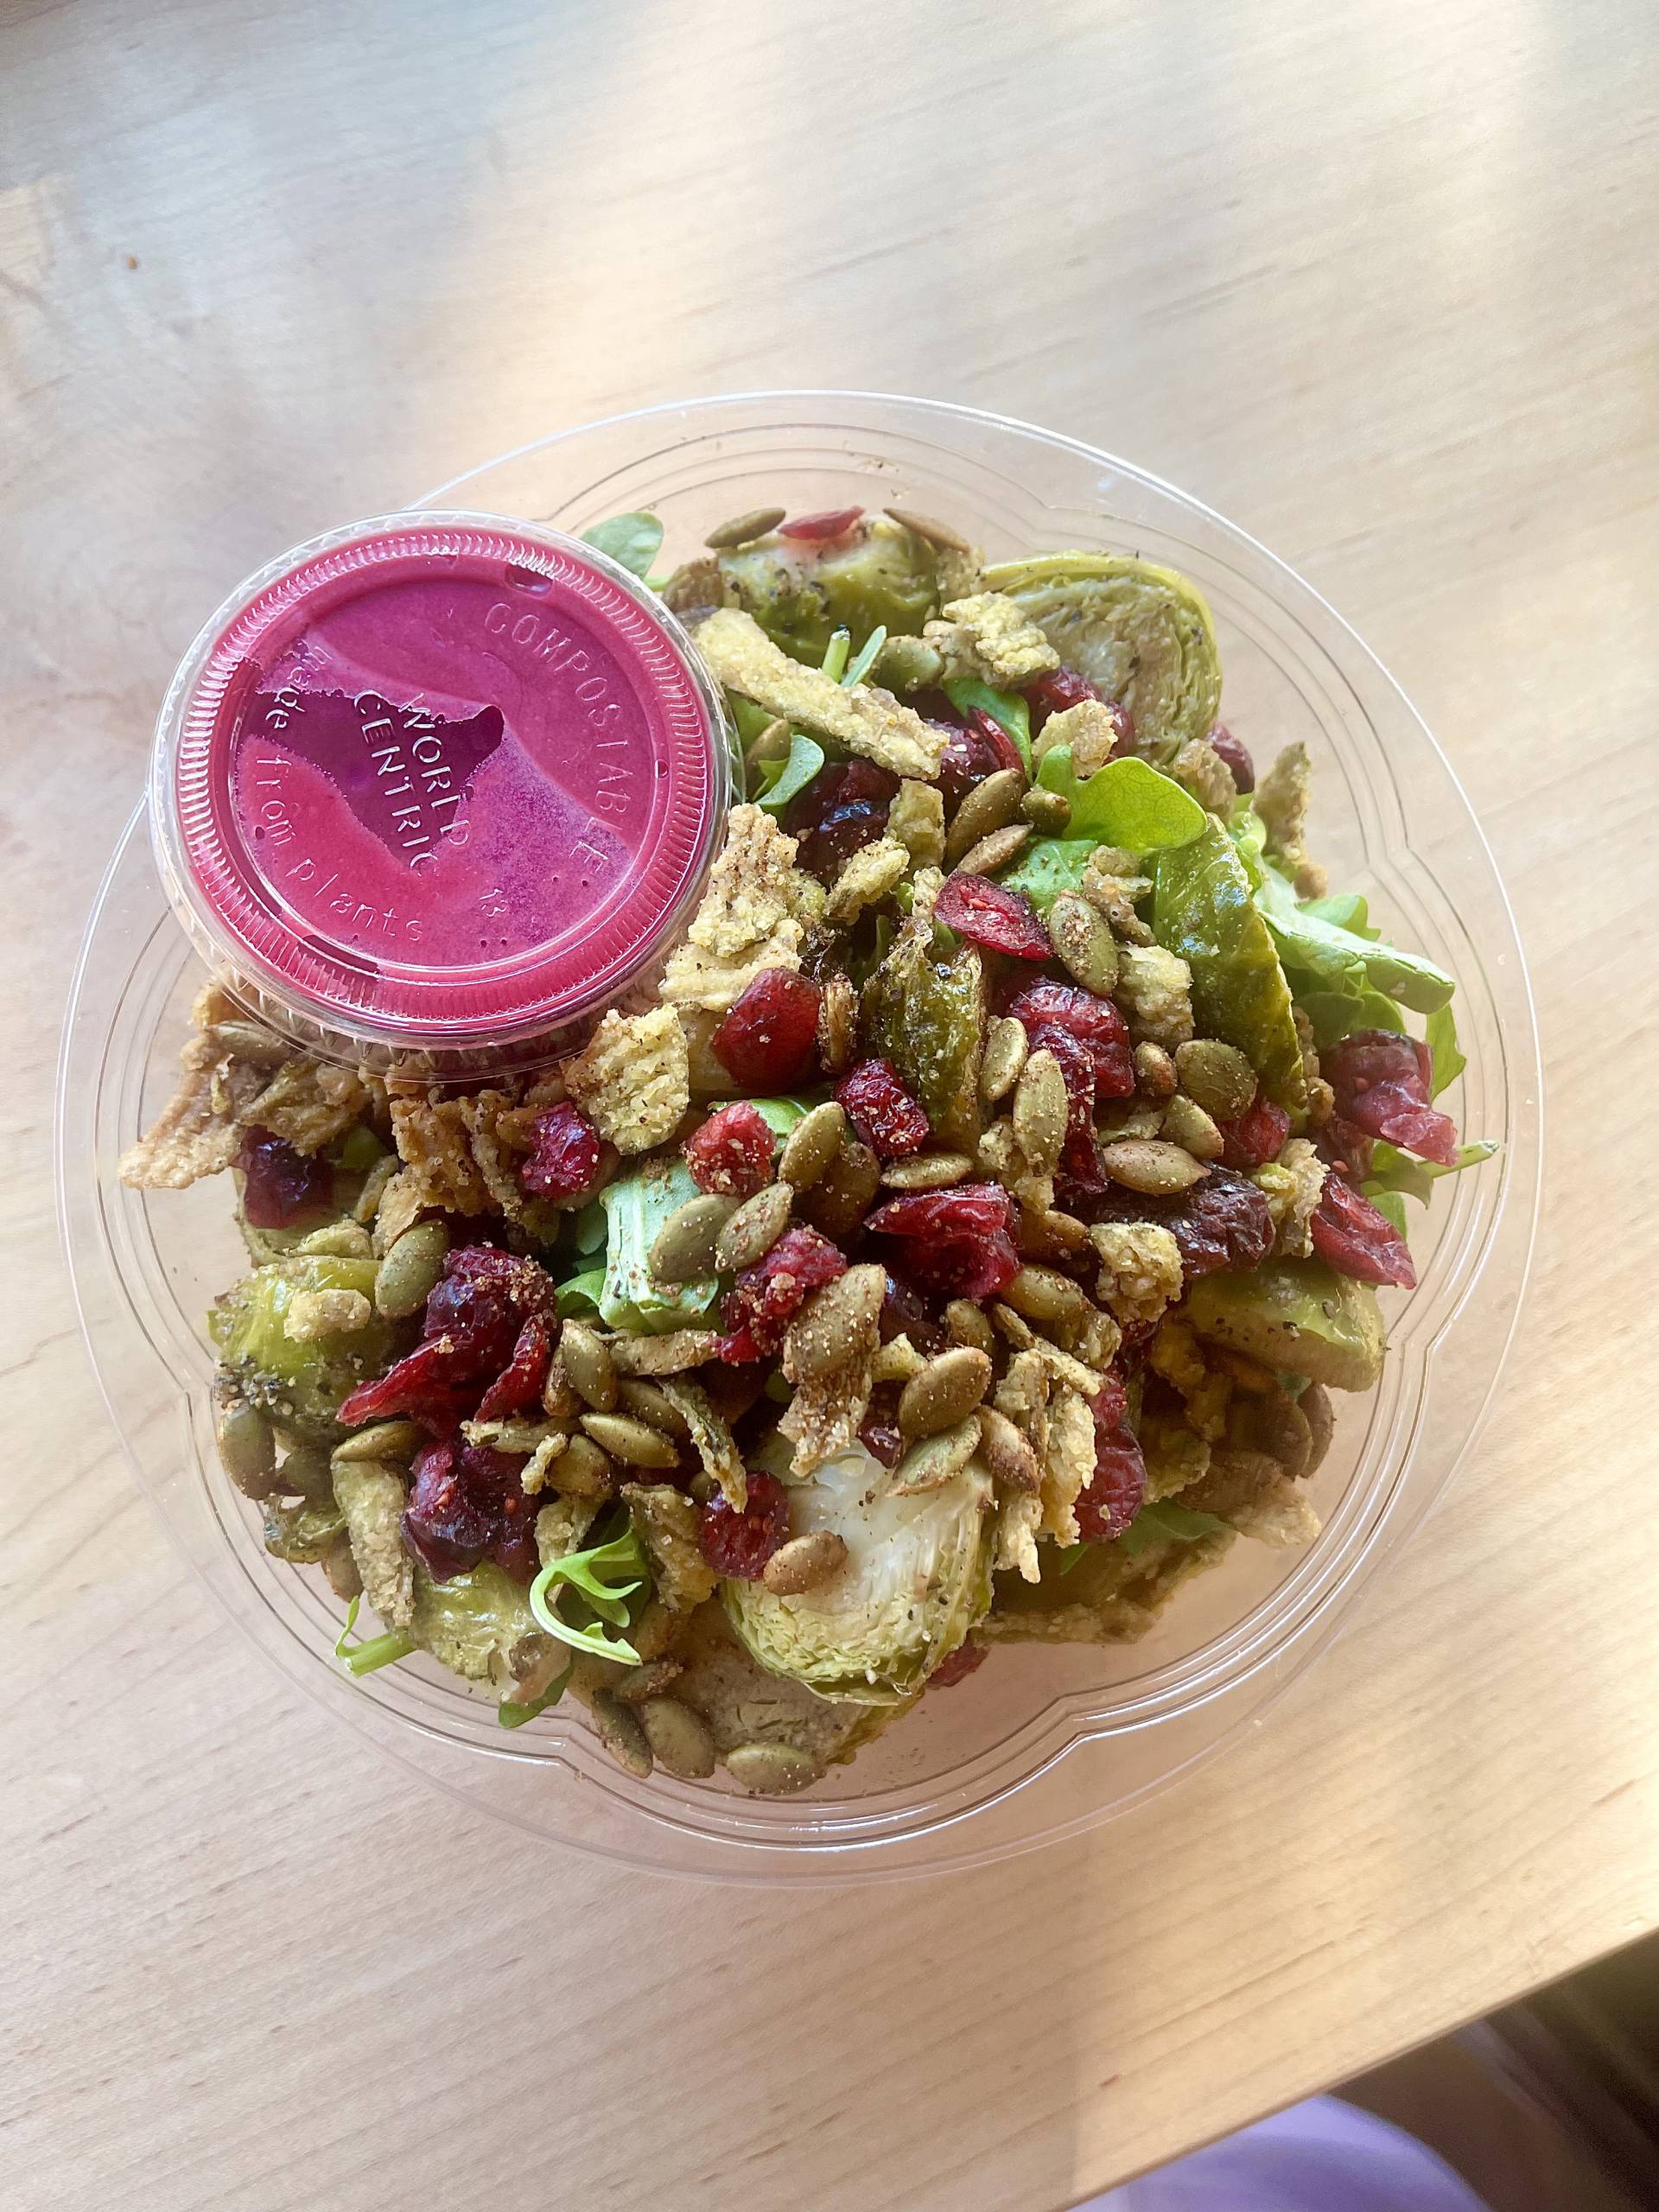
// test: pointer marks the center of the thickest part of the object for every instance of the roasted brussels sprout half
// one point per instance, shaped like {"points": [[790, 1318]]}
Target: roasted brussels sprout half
{"points": [[1298, 1316], [298, 1383], [879, 576]]}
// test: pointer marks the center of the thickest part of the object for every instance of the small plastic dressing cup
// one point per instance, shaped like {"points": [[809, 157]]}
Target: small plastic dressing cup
{"points": [[437, 785]]}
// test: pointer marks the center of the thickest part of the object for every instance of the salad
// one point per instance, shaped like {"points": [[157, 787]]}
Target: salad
{"points": [[957, 1242]]}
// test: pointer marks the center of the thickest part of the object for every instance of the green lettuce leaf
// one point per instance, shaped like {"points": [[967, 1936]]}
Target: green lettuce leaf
{"points": [[1164, 1521], [580, 1293], [630, 540], [1447, 1063], [1006, 709], [1347, 910], [514, 1716], [1336, 1015], [1047, 867], [1339, 958], [1203, 910], [602, 1579], [781, 780], [1390, 1205], [1396, 1171], [1126, 803]]}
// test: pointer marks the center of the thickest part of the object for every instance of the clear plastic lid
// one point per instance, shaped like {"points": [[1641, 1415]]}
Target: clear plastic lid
{"points": [[437, 783]]}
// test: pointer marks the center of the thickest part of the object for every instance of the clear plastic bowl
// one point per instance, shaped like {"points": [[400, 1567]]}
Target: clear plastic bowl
{"points": [[1044, 1740]]}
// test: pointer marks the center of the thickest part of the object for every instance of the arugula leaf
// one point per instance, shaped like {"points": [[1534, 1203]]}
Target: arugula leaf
{"points": [[1447, 1063], [1203, 910], [580, 1294], [864, 659], [514, 1716], [1340, 959], [1336, 1015], [630, 540], [1126, 803], [780, 781], [1011, 713], [1047, 867], [636, 1206], [363, 1657], [597, 1578], [1167, 1522], [1396, 1171], [1390, 1205], [1067, 1557], [835, 654]]}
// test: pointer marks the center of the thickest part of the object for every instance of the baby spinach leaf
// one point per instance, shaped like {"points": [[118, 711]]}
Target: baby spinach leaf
{"points": [[1164, 1521], [1047, 867], [1006, 709], [630, 540], [1447, 1063], [1202, 909], [1126, 803], [1396, 1171], [781, 780], [514, 1716]]}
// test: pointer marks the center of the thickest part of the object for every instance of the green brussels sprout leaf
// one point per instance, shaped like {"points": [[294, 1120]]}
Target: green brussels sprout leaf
{"points": [[1202, 909], [636, 1206]]}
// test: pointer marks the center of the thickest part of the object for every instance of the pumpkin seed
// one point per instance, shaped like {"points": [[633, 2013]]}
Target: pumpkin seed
{"points": [[340, 1566], [992, 804], [804, 1562], [1085, 942], [964, 1323], [1008, 1452], [928, 1171], [589, 1363], [995, 851], [837, 1023], [306, 1473], [1041, 1110], [771, 1770], [812, 1144], [1216, 1076], [631, 1441], [772, 744], [1042, 1294], [843, 1313], [650, 1679], [409, 1275], [651, 1403], [743, 530], [1321, 1420], [382, 1440], [932, 533], [247, 1450], [681, 1741], [617, 1727], [754, 1229], [374, 1184], [945, 1392], [685, 1244], [896, 1362], [1185, 1123], [931, 1463], [844, 1194], [582, 1470], [560, 1398], [1150, 1165], [1048, 812], [1154, 1071], [1005, 1048]]}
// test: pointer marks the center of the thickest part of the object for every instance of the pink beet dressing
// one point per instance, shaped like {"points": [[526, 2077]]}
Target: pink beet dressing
{"points": [[446, 782]]}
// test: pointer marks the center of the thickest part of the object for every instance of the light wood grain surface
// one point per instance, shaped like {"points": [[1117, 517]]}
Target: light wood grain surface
{"points": [[1377, 282]]}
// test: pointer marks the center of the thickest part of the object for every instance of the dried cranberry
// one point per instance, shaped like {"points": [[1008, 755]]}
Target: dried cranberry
{"points": [[1116, 1490], [1352, 1236], [1236, 754], [882, 1111], [768, 1042], [1078, 1070], [564, 1161], [956, 1243], [435, 1384], [282, 1187], [819, 529], [969, 757], [841, 809], [738, 1545], [1053, 691], [474, 1318], [1222, 1222], [1381, 1081], [478, 1319], [523, 1283], [904, 1314], [878, 1431], [1068, 1006], [990, 914], [1258, 1136], [957, 1665], [765, 1298], [447, 1531], [1001, 748], [518, 1386], [731, 1389], [731, 1153]]}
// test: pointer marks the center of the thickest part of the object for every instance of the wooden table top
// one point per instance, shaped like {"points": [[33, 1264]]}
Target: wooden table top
{"points": [[1378, 283]]}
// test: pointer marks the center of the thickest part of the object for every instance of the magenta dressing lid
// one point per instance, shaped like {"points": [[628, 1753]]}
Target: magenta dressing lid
{"points": [[438, 782]]}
